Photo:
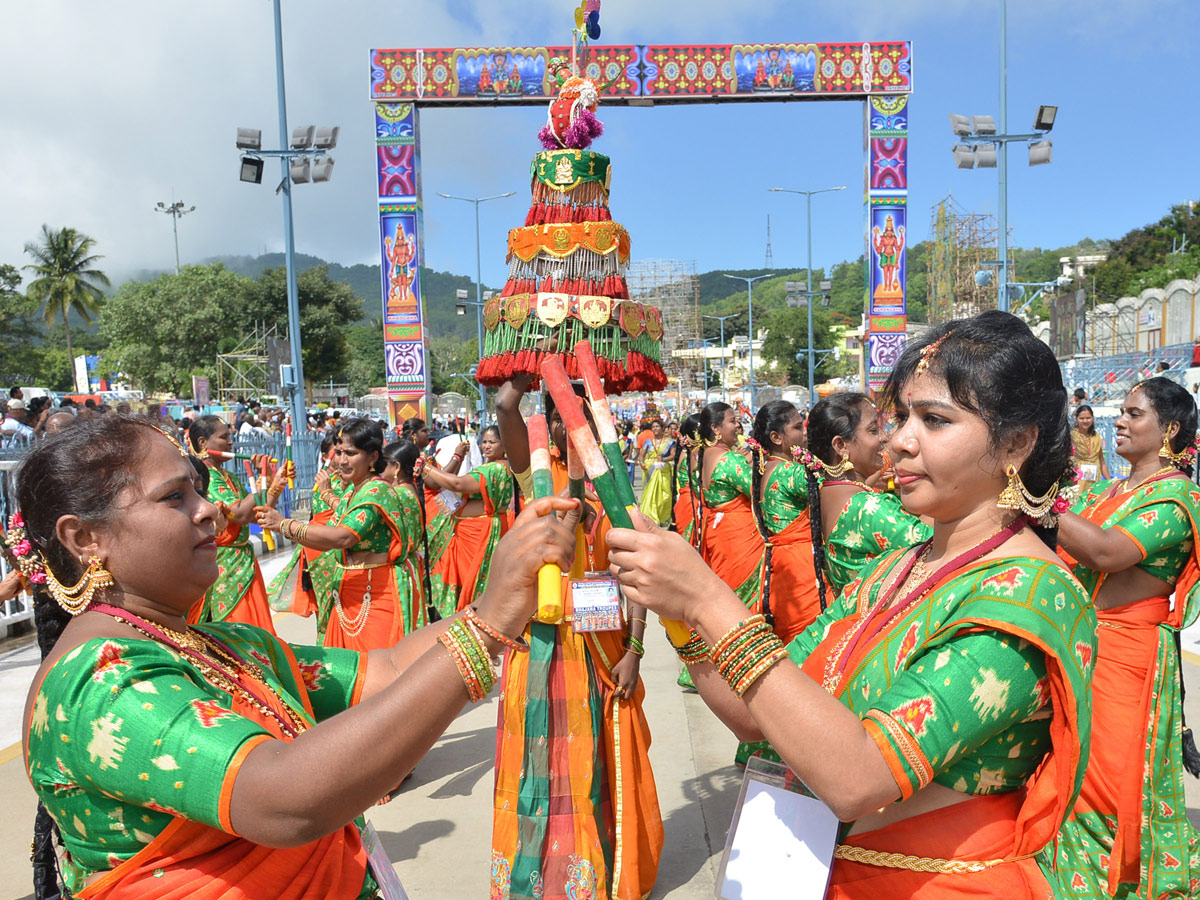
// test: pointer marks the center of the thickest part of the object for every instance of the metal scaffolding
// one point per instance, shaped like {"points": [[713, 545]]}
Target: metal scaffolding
{"points": [[961, 243], [251, 369], [672, 286]]}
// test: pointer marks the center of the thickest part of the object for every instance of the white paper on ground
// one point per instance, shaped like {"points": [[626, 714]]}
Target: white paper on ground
{"points": [[780, 843]]}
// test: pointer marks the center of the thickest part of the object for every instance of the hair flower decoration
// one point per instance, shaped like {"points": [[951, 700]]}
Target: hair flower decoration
{"points": [[18, 542]]}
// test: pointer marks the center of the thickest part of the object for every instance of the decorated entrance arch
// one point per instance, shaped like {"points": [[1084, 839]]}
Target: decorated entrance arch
{"points": [[876, 74]]}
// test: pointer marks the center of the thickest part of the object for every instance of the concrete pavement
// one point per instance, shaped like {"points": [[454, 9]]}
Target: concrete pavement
{"points": [[438, 829]]}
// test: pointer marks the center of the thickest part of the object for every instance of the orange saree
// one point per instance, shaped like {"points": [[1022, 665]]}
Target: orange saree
{"points": [[794, 600], [732, 547]]}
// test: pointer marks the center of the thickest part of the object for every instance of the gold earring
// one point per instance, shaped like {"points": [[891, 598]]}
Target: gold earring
{"points": [[1175, 459], [78, 597], [836, 471], [1016, 496]]}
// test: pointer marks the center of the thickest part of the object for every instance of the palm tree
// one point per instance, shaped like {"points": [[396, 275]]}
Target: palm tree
{"points": [[66, 279]]}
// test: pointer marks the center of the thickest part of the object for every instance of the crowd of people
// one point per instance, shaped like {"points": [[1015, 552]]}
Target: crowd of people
{"points": [[933, 605]]}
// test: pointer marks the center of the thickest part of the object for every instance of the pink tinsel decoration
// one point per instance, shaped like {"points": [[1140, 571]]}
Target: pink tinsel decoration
{"points": [[548, 138], [581, 132]]}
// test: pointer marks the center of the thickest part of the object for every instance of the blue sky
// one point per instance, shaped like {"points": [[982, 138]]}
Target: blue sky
{"points": [[108, 113]]}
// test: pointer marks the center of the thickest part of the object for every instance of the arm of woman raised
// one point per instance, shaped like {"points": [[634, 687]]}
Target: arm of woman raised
{"points": [[1100, 549], [822, 740], [288, 794], [460, 484]]}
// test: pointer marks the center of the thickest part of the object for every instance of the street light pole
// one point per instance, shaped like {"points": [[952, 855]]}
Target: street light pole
{"points": [[175, 211], [299, 419], [724, 372], [478, 283], [808, 203], [750, 303], [1002, 160]]}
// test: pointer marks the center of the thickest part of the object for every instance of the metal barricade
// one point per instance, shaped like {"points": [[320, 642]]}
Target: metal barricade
{"points": [[306, 450], [20, 608]]}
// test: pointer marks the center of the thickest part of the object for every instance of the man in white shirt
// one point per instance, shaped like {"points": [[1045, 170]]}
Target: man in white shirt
{"points": [[14, 422]]}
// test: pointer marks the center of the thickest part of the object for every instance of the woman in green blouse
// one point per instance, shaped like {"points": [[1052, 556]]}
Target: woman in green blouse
{"points": [[380, 594], [461, 572], [730, 541], [1132, 542], [214, 760], [940, 706], [858, 522]]}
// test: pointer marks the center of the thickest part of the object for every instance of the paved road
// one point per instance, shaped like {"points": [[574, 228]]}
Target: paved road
{"points": [[438, 830]]}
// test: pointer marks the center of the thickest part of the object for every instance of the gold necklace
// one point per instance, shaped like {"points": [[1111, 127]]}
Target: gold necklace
{"points": [[1125, 489], [199, 644]]}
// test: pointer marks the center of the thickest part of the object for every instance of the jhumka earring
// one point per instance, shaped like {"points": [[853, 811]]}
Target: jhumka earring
{"points": [[1016, 496], [78, 597], [838, 470], [1180, 459]]}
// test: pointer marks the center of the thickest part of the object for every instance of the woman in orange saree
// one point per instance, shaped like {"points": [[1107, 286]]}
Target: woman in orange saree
{"points": [[239, 593], [575, 810], [730, 541], [1133, 546], [462, 568], [379, 594], [312, 574], [939, 707], [685, 507], [208, 761]]}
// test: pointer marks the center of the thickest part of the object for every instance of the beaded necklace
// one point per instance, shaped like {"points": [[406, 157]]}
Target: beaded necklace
{"points": [[217, 663]]}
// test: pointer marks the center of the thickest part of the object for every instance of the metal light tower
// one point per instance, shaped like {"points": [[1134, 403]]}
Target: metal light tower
{"points": [[175, 211], [724, 386], [985, 145], [808, 195], [304, 159], [750, 303]]}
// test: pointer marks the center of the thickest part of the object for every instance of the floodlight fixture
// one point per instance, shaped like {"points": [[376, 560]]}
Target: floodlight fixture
{"points": [[302, 137], [322, 168], [983, 124], [299, 170], [964, 156], [984, 278], [249, 139], [326, 138], [826, 286], [1045, 118], [461, 294], [251, 171], [460, 309], [488, 295], [1040, 152], [960, 125], [985, 156]]}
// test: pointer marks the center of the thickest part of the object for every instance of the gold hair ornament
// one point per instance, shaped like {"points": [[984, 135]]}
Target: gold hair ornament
{"points": [[78, 597], [929, 353], [170, 437]]}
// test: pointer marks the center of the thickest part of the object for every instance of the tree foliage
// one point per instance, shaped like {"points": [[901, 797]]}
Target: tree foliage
{"points": [[326, 307], [67, 278], [366, 367], [164, 331]]}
